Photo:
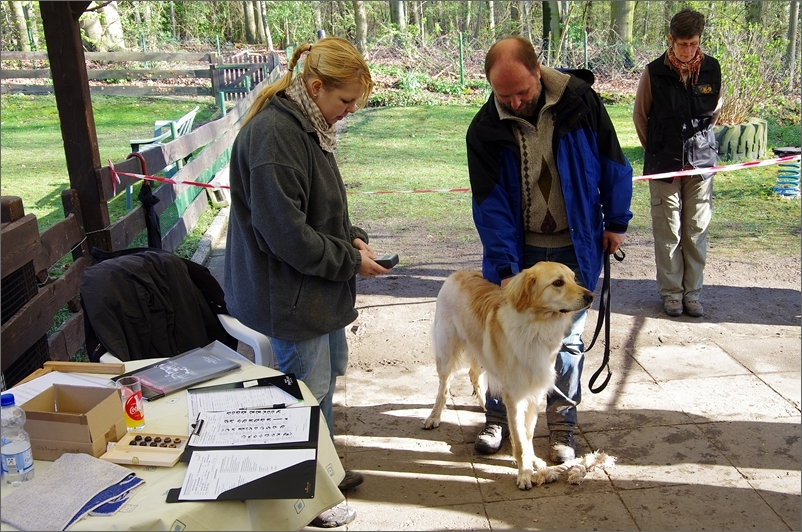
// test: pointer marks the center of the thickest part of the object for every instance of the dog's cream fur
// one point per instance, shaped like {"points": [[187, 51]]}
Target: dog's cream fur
{"points": [[513, 335]]}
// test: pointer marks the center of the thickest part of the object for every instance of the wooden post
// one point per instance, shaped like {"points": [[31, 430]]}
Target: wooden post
{"points": [[71, 86]]}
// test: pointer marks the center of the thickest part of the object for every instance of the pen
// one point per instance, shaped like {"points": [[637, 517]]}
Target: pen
{"points": [[198, 427], [275, 405]]}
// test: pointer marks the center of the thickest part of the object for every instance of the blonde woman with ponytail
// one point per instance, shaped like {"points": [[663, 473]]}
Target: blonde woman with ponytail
{"points": [[292, 254]]}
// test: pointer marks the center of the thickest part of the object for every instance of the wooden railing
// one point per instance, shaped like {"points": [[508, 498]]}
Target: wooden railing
{"points": [[229, 79], [32, 294]]}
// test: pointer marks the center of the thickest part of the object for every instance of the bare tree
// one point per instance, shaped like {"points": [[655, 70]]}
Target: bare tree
{"points": [[260, 22], [491, 18], [622, 13], [397, 15], [790, 51], [318, 16], [754, 12], [250, 23], [21, 29], [361, 24], [266, 24]]}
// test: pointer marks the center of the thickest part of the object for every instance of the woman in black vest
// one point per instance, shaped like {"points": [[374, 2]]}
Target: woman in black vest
{"points": [[677, 104]]}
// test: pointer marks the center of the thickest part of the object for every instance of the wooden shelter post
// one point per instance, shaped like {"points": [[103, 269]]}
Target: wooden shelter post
{"points": [[71, 86]]}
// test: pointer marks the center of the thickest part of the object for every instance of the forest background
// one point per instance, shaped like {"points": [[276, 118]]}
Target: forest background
{"points": [[757, 42], [421, 53]]}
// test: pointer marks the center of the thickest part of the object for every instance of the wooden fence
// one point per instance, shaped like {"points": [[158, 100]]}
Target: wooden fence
{"points": [[32, 295], [222, 78]]}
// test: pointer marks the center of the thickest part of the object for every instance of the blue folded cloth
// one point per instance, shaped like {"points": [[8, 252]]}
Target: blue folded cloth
{"points": [[74, 486]]}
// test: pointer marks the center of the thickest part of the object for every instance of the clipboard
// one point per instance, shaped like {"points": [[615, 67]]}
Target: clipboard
{"points": [[296, 481]]}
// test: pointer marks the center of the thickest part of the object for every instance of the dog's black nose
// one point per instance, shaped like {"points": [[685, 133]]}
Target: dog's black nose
{"points": [[589, 298]]}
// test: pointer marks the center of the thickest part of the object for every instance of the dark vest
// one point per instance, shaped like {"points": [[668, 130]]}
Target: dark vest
{"points": [[679, 130]]}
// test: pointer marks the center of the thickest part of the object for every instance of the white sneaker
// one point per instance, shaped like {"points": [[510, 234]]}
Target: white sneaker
{"points": [[339, 515]]}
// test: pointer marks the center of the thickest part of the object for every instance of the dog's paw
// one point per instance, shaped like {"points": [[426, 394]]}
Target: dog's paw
{"points": [[431, 423], [576, 475], [524, 480], [539, 464], [545, 476]]}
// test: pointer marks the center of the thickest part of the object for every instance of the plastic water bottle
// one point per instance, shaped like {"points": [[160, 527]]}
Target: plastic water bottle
{"points": [[15, 444]]}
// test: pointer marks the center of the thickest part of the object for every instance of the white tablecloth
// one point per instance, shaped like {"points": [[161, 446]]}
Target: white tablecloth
{"points": [[147, 509]]}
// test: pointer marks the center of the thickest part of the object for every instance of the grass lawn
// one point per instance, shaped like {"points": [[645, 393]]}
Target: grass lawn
{"points": [[382, 149]]}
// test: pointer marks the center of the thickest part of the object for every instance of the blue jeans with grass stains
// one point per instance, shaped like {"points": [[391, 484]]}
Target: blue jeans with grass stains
{"points": [[562, 400]]}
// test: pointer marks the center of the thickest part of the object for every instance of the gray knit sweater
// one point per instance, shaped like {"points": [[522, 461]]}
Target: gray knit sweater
{"points": [[290, 265]]}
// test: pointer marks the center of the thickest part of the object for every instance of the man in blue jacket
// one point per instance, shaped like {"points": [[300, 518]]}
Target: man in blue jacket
{"points": [[549, 182]]}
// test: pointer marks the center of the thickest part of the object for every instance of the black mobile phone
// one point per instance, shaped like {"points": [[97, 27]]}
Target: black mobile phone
{"points": [[388, 261]]}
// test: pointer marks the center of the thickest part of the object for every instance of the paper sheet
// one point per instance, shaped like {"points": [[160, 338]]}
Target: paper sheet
{"points": [[251, 427], [210, 473], [255, 397]]}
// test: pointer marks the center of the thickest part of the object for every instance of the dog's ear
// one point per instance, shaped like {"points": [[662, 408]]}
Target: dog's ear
{"points": [[519, 291]]}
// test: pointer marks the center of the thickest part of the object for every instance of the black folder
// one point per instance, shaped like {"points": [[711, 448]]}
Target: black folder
{"points": [[294, 482], [286, 382]]}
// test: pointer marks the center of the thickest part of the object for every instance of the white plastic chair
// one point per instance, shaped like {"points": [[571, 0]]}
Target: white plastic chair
{"points": [[262, 350]]}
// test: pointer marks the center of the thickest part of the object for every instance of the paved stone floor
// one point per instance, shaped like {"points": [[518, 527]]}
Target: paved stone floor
{"points": [[706, 436]]}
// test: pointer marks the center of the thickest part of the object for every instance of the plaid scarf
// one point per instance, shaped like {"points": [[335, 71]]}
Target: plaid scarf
{"points": [[688, 72], [326, 134]]}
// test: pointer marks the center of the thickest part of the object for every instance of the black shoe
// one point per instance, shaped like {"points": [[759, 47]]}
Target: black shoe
{"points": [[561, 446], [489, 440], [352, 479]]}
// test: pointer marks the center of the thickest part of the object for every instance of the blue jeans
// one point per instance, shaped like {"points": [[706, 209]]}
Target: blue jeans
{"points": [[566, 394], [317, 362]]}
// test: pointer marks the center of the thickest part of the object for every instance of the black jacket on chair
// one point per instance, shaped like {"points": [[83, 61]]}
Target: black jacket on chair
{"points": [[149, 303]]}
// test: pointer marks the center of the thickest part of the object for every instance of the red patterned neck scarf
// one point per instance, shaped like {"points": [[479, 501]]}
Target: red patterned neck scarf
{"points": [[688, 72]]}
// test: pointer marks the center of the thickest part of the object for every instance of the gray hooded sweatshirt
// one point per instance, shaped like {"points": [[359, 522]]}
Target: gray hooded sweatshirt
{"points": [[290, 266]]}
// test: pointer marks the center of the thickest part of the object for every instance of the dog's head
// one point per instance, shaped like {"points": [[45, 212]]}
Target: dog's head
{"points": [[547, 287]]}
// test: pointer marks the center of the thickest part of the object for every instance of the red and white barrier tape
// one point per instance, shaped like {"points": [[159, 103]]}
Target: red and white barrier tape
{"points": [[115, 176], [680, 173], [714, 169]]}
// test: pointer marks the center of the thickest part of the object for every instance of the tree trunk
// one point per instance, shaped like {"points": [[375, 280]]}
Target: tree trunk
{"points": [[21, 29], [398, 15], [526, 10], [667, 14], [478, 28], [30, 22], [621, 15], [414, 18], [361, 24], [261, 37], [268, 34], [317, 16], [754, 12], [790, 51], [112, 39], [491, 18], [554, 23], [250, 23], [515, 17], [172, 20]]}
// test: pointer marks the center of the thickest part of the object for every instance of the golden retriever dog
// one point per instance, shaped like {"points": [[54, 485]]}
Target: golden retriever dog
{"points": [[509, 336]]}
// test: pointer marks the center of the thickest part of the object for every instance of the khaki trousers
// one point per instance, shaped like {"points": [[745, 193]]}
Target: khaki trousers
{"points": [[681, 212]]}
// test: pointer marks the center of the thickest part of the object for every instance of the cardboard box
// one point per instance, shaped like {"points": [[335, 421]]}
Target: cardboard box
{"points": [[73, 419]]}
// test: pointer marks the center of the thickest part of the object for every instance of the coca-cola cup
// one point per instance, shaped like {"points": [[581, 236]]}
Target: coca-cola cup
{"points": [[133, 406]]}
